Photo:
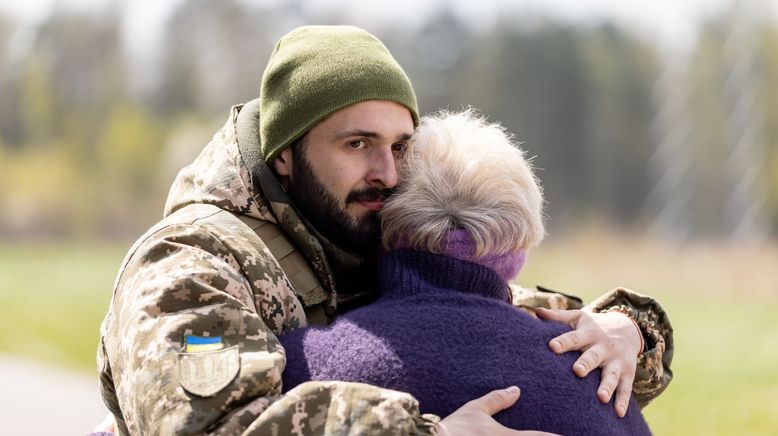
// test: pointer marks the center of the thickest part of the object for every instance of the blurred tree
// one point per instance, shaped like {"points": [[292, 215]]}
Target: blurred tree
{"points": [[47, 204], [6, 31], [37, 103], [728, 106], [672, 185], [743, 169], [769, 102], [708, 116], [214, 56], [11, 131], [129, 196], [619, 111], [82, 60], [436, 59], [539, 95], [64, 88]]}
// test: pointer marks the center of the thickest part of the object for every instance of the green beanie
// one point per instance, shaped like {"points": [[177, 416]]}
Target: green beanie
{"points": [[317, 70]]}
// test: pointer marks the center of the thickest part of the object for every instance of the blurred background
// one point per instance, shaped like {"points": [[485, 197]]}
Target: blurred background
{"points": [[653, 126]]}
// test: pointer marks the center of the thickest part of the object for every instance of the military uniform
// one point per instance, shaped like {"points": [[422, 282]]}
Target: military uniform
{"points": [[189, 344]]}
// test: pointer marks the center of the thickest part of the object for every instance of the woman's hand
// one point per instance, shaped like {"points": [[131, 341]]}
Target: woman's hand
{"points": [[609, 340]]}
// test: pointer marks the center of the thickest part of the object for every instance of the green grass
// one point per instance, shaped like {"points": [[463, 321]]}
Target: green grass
{"points": [[725, 373], [722, 301], [53, 298]]}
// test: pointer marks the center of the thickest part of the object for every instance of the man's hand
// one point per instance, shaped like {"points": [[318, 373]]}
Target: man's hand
{"points": [[609, 340], [475, 417]]}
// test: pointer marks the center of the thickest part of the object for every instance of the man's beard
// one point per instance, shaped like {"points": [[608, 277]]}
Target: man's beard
{"points": [[331, 218]]}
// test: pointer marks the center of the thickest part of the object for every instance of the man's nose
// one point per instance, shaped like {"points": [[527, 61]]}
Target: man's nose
{"points": [[383, 169]]}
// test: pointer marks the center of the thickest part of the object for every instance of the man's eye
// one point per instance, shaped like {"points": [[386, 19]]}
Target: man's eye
{"points": [[358, 143]]}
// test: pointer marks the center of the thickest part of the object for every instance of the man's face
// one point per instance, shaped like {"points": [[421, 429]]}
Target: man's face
{"points": [[340, 173]]}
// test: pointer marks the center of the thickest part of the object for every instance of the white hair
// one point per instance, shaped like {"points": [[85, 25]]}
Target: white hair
{"points": [[462, 172]]}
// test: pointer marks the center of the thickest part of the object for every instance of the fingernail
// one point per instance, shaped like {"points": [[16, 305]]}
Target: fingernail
{"points": [[620, 411], [603, 393], [556, 345], [513, 390], [580, 367]]}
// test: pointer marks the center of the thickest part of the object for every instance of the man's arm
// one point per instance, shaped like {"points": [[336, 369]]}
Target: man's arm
{"points": [[184, 282], [653, 368], [653, 373]]}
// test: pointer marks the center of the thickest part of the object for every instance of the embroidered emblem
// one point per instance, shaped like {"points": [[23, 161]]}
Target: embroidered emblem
{"points": [[204, 373]]}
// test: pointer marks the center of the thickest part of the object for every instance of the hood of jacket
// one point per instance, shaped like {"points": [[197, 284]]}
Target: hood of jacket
{"points": [[231, 174]]}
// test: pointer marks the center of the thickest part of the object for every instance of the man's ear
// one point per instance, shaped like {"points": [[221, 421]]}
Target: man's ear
{"points": [[283, 163]]}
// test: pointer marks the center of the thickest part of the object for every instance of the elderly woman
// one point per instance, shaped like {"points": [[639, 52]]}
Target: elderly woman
{"points": [[456, 232]]}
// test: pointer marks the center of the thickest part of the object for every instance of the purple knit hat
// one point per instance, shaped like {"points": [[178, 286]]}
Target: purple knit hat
{"points": [[459, 244]]}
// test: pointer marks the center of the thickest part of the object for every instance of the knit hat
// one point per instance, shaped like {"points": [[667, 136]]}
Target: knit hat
{"points": [[317, 70], [459, 244]]}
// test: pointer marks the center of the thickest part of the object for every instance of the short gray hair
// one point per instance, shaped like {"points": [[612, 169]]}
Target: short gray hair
{"points": [[462, 172]]}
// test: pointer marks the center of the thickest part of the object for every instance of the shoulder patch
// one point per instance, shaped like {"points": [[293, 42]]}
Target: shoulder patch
{"points": [[207, 372]]}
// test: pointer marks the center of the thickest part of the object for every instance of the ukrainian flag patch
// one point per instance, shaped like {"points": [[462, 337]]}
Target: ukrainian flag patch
{"points": [[198, 344]]}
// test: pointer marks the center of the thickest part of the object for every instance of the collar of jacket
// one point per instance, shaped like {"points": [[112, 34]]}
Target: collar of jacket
{"points": [[332, 264]]}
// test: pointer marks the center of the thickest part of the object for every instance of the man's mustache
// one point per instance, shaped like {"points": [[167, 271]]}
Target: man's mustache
{"points": [[369, 194]]}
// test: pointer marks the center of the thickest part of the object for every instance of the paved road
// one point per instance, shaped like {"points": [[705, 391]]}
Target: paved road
{"points": [[39, 399]]}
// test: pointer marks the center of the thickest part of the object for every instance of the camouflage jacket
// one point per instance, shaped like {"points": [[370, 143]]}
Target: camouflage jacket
{"points": [[189, 344]]}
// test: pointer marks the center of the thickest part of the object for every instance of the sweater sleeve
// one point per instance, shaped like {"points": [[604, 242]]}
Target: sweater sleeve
{"points": [[653, 373], [184, 283]]}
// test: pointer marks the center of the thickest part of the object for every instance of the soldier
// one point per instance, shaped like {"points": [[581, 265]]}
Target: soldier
{"points": [[273, 228]]}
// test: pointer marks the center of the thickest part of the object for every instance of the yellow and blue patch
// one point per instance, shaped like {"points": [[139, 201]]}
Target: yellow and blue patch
{"points": [[197, 344]]}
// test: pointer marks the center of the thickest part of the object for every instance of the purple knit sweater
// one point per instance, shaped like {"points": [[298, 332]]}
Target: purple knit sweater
{"points": [[443, 331]]}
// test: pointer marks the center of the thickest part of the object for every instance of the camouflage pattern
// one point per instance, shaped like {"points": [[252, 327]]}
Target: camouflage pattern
{"points": [[529, 299], [233, 259]]}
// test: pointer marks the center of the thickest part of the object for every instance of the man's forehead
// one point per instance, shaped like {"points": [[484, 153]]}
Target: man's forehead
{"points": [[372, 118]]}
